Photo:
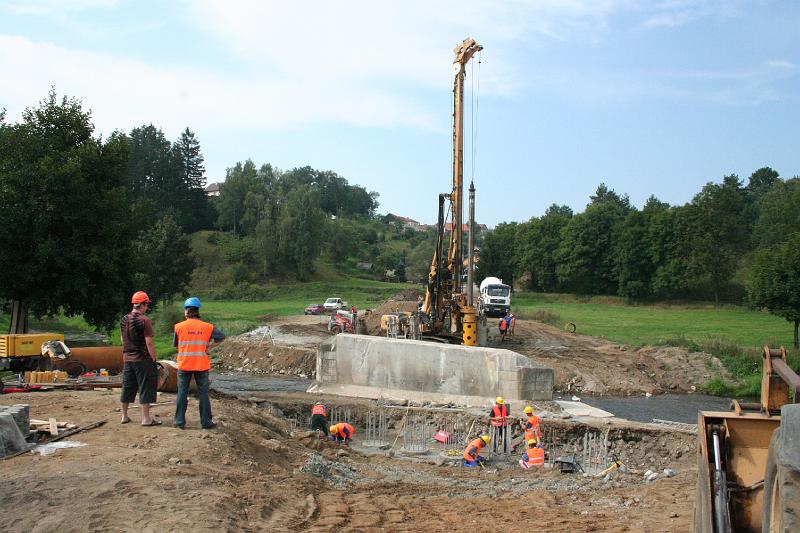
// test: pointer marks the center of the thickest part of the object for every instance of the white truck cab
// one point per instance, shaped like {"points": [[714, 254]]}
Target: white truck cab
{"points": [[334, 304], [495, 297]]}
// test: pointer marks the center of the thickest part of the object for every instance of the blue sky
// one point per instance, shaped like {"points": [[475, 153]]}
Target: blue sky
{"points": [[653, 97]]}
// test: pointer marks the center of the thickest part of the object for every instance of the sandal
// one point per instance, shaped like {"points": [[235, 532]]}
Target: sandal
{"points": [[154, 422], [125, 420]]}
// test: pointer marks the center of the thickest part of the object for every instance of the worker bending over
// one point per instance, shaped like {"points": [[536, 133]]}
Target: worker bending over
{"points": [[531, 425], [499, 420], [342, 432], [533, 456], [472, 455], [319, 418]]}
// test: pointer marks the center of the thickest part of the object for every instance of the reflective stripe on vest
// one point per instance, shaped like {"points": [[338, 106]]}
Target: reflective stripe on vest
{"points": [[499, 414], [473, 449], [318, 410], [194, 337]]}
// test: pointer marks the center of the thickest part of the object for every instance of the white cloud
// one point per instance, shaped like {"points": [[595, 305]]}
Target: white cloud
{"points": [[51, 7], [125, 92]]}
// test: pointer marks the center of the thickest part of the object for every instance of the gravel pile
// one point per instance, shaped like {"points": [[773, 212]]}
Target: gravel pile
{"points": [[339, 475]]}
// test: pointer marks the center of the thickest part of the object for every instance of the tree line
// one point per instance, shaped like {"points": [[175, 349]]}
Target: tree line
{"points": [[734, 241]]}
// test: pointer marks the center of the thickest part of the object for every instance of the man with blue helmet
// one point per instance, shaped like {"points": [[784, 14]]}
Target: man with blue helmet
{"points": [[192, 338]]}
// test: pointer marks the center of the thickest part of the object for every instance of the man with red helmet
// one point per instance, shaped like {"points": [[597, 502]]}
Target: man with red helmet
{"points": [[139, 373]]}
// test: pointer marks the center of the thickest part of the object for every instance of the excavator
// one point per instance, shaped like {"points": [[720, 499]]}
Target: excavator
{"points": [[748, 460]]}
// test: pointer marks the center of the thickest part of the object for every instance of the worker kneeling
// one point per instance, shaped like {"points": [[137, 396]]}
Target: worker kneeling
{"points": [[342, 432], [533, 456], [471, 453]]}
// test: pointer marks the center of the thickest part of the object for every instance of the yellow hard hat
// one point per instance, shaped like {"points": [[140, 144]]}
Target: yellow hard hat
{"points": [[332, 429], [499, 400], [531, 442], [485, 439], [528, 410]]}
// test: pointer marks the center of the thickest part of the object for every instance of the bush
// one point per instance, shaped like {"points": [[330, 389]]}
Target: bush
{"points": [[542, 315], [165, 319]]}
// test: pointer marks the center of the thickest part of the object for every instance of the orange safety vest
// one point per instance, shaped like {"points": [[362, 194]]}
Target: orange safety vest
{"points": [[339, 430], [532, 429], [476, 445], [194, 336], [499, 414], [318, 410], [503, 325], [535, 457]]}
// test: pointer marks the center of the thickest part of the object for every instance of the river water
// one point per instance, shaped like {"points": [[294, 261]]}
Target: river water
{"points": [[674, 407]]}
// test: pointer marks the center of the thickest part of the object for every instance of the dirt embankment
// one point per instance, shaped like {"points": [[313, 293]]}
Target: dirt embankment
{"points": [[256, 473], [287, 347], [593, 365]]}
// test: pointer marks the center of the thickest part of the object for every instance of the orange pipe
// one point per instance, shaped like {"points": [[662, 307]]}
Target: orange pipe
{"points": [[95, 358]]}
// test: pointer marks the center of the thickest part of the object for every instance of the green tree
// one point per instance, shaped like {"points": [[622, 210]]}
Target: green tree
{"points": [[537, 247], [778, 214], [240, 180], [163, 260], [302, 226], [775, 281], [65, 244], [588, 247], [720, 233], [189, 182], [498, 251]]}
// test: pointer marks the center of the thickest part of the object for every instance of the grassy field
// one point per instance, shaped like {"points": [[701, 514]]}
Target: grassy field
{"points": [[235, 317], [734, 334]]}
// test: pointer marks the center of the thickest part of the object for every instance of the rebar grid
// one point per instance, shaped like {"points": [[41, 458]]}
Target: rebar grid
{"points": [[416, 434], [455, 429], [595, 453], [340, 414], [501, 440], [376, 429]]}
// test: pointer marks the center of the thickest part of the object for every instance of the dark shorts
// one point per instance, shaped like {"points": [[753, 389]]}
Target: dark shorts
{"points": [[141, 377]]}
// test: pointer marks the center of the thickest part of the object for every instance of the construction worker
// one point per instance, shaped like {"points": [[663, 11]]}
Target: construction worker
{"points": [[512, 322], [319, 418], [472, 455], [342, 432], [531, 426], [499, 420], [192, 338], [503, 327], [139, 372], [533, 456]]}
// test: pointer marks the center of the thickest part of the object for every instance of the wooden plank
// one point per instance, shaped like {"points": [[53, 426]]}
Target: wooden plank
{"points": [[53, 427]]}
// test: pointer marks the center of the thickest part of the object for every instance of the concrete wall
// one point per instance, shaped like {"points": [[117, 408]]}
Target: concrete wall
{"points": [[361, 365]]}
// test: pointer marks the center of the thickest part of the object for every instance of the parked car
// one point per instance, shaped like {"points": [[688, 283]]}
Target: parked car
{"points": [[314, 309], [334, 304]]}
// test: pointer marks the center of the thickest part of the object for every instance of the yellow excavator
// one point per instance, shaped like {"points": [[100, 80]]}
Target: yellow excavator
{"points": [[21, 350], [748, 460]]}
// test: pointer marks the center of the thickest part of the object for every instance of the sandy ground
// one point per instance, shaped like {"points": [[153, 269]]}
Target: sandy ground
{"points": [[257, 472]]}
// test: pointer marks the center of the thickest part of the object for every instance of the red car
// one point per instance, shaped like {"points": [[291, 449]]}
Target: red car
{"points": [[314, 309]]}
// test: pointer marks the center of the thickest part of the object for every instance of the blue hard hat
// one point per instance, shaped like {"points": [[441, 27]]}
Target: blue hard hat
{"points": [[194, 301]]}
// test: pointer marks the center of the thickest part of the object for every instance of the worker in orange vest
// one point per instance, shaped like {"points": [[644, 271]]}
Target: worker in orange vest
{"points": [[342, 432], [503, 327], [499, 420], [531, 426], [192, 338], [319, 418], [472, 452], [533, 456]]}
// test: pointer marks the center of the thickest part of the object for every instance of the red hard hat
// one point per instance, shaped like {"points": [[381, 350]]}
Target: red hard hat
{"points": [[140, 297]]}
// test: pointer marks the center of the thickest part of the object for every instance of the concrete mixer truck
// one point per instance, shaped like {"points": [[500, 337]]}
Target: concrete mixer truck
{"points": [[495, 300]]}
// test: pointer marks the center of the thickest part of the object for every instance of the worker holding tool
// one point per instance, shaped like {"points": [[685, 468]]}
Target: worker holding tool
{"points": [[342, 432], [533, 456], [531, 425], [499, 420], [192, 338], [139, 372], [319, 418], [472, 452]]}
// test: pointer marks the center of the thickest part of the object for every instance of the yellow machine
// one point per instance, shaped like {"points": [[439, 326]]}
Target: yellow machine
{"points": [[748, 475], [23, 351]]}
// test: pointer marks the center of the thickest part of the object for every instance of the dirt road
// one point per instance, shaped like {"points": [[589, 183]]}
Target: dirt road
{"points": [[255, 472]]}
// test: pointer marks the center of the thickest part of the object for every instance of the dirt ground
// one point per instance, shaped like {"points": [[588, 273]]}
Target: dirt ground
{"points": [[257, 472]]}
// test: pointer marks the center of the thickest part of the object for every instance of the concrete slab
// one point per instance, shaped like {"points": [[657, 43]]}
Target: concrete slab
{"points": [[578, 409], [378, 367]]}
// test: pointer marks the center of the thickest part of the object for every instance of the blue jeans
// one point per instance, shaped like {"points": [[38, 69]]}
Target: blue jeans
{"points": [[201, 380]]}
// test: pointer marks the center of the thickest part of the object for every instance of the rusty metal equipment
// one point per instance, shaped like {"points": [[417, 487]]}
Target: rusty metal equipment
{"points": [[92, 358], [749, 458]]}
